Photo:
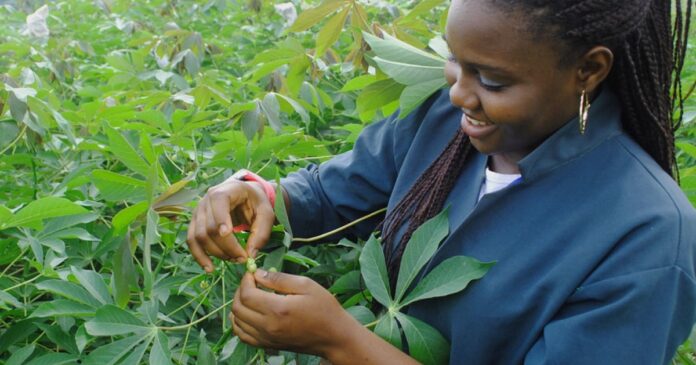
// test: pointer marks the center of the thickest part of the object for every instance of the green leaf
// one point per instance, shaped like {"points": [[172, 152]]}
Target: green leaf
{"points": [[346, 283], [16, 333], [414, 95], [392, 49], [59, 337], [374, 271], [362, 314], [310, 17], [136, 356], [379, 94], [62, 307], [55, 359], [300, 259], [94, 283], [419, 249], [69, 290], [20, 356], [281, 213], [687, 148], [388, 329], [251, 123], [5, 213], [439, 282], [410, 74], [422, 7], [205, 355], [124, 273], [159, 354], [5, 297], [425, 343], [41, 209], [126, 216], [328, 35], [125, 153], [358, 82], [111, 353], [271, 109], [299, 109], [111, 320], [151, 238]]}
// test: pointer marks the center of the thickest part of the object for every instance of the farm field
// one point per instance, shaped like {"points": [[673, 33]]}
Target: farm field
{"points": [[117, 116]]}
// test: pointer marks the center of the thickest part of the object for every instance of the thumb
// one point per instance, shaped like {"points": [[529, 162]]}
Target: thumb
{"points": [[284, 283]]}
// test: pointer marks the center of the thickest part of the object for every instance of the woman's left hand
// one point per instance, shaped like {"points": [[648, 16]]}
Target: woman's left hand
{"points": [[300, 316]]}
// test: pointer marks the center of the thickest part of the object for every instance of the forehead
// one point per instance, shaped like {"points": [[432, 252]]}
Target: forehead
{"points": [[479, 32]]}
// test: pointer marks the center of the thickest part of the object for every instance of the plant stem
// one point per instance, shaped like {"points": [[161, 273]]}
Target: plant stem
{"points": [[19, 136], [339, 229], [199, 320], [23, 283]]}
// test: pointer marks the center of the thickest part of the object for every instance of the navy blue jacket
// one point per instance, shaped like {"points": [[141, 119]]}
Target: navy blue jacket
{"points": [[594, 244]]}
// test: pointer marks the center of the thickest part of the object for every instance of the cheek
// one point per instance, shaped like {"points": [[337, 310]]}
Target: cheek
{"points": [[511, 107]]}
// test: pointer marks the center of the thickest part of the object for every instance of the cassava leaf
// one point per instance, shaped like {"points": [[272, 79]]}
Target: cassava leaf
{"points": [[449, 277], [388, 329], [425, 343], [374, 271], [111, 321], [419, 249], [41, 209]]}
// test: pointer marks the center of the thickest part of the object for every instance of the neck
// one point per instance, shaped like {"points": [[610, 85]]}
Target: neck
{"points": [[502, 164]]}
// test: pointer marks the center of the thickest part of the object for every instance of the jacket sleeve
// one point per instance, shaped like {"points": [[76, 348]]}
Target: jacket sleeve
{"points": [[353, 184], [637, 318]]}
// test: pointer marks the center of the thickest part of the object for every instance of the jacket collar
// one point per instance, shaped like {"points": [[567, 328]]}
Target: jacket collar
{"points": [[566, 144]]}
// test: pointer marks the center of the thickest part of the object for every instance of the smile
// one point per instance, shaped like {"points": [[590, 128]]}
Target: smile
{"points": [[476, 122]]}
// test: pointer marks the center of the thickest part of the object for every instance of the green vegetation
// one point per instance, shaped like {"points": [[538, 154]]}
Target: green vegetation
{"points": [[116, 116]]}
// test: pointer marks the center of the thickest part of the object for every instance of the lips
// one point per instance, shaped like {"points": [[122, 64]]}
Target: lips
{"points": [[475, 128]]}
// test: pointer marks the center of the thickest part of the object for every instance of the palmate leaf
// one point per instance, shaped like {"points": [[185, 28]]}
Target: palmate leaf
{"points": [[111, 353], [111, 321], [69, 290], [374, 271], [94, 283], [419, 249], [55, 358], [328, 35], [20, 356], [124, 152], [410, 74], [388, 329], [62, 307], [392, 49], [41, 209], [117, 187], [159, 353], [425, 343], [414, 95], [310, 17], [449, 277]]}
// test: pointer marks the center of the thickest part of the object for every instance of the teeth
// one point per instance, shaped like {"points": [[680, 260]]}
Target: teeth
{"points": [[477, 123]]}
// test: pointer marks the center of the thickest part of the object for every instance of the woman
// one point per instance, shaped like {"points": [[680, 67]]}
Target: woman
{"points": [[568, 187]]}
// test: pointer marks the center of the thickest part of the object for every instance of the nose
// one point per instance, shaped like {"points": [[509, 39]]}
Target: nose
{"points": [[463, 95]]}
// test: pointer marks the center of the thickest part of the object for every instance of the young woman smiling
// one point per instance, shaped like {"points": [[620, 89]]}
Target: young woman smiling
{"points": [[555, 152]]}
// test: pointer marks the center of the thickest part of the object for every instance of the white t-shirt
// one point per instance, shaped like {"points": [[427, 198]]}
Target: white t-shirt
{"points": [[495, 181]]}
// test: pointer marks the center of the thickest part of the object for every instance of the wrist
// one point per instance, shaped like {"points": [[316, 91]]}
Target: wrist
{"points": [[345, 339], [267, 188]]}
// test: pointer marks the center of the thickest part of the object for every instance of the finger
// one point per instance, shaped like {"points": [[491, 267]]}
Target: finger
{"points": [[243, 335], [240, 306], [220, 209], [228, 244], [261, 229], [284, 283], [196, 250], [253, 298], [204, 240]]}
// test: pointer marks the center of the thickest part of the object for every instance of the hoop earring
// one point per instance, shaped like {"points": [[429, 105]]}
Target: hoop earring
{"points": [[584, 110]]}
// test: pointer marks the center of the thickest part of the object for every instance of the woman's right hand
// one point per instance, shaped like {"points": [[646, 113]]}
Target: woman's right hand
{"points": [[227, 205]]}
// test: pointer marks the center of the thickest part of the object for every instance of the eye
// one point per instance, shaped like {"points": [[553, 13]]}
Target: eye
{"points": [[490, 84]]}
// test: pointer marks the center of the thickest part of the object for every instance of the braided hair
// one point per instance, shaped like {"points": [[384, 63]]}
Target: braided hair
{"points": [[649, 55]]}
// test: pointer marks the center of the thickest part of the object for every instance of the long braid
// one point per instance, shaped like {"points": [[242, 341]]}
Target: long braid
{"points": [[424, 200]]}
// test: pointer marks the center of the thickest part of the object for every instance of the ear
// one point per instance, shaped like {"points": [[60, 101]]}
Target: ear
{"points": [[594, 67]]}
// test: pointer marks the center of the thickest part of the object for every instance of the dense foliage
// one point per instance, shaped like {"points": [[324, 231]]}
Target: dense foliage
{"points": [[115, 116]]}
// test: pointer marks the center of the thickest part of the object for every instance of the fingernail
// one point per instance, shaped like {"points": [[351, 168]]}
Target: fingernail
{"points": [[223, 229], [208, 268], [253, 252], [262, 272]]}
